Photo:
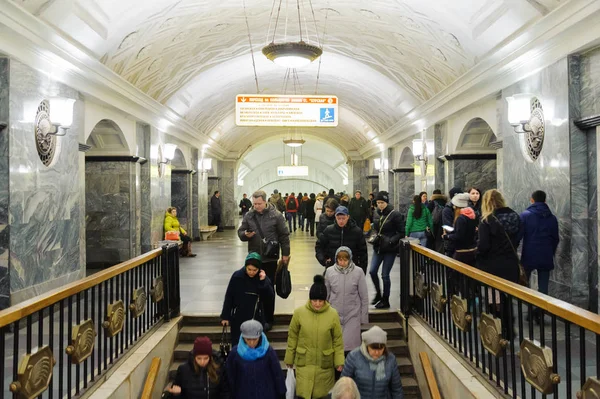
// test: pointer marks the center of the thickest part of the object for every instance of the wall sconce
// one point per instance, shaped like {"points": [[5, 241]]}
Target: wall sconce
{"points": [[206, 164], [525, 113], [61, 115], [169, 154], [422, 151], [380, 164], [345, 181]]}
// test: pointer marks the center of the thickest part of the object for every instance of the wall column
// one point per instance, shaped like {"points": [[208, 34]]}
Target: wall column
{"points": [[181, 197], [404, 179]]}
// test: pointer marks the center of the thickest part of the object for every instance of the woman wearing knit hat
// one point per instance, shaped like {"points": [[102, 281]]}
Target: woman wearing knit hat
{"points": [[315, 344], [253, 368], [202, 376], [464, 235], [247, 290], [374, 368]]}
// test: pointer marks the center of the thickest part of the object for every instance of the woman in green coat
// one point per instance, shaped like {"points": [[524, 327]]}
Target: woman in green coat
{"points": [[418, 221], [315, 344], [172, 224]]}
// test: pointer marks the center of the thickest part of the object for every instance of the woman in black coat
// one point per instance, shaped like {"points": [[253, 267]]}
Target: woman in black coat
{"points": [[247, 290], [202, 376]]}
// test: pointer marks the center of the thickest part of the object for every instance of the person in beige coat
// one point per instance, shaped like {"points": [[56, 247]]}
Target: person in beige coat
{"points": [[347, 293]]}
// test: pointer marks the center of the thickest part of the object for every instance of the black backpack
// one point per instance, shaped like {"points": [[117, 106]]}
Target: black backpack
{"points": [[291, 204], [437, 214]]}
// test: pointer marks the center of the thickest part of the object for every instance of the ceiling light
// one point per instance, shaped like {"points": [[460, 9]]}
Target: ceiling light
{"points": [[292, 54], [294, 142]]}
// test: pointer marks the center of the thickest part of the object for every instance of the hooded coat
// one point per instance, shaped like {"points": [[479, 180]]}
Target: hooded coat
{"points": [[316, 346], [348, 294], [244, 300], [172, 224], [540, 237], [464, 235], [274, 227], [198, 385], [495, 253], [335, 236], [277, 202]]}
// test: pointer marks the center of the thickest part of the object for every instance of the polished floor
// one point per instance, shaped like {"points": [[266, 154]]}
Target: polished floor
{"points": [[204, 278]]}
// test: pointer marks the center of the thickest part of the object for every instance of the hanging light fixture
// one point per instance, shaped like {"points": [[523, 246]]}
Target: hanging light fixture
{"points": [[290, 53], [294, 142]]}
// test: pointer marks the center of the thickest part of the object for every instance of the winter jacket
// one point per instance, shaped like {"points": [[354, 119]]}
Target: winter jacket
{"points": [[391, 231], [324, 222], [359, 210], [464, 235], [172, 224], [448, 220], [309, 208], [477, 208], [318, 208], [540, 237], [244, 300], [277, 202], [198, 385], [495, 253], [273, 226], [245, 205], [316, 346], [438, 200], [335, 236], [287, 204], [257, 379], [347, 293], [215, 205], [358, 367], [421, 224]]}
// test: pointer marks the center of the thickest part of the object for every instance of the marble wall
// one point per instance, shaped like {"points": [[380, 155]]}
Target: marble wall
{"points": [[143, 150], [405, 188], [160, 187], [360, 171], [440, 136], [480, 173], [194, 214], [181, 182], [592, 146], [44, 201], [229, 203], [109, 187], [4, 184], [203, 199], [590, 83]]}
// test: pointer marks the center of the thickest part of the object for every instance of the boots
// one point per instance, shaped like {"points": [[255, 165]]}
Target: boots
{"points": [[376, 300], [384, 303]]}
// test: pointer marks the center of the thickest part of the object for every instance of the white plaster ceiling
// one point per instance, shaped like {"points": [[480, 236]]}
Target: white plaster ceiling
{"points": [[381, 57], [107, 138]]}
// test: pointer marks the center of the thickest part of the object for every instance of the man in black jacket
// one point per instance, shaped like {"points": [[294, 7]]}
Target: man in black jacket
{"points": [[215, 206], [245, 205], [343, 232], [448, 220], [359, 209]]}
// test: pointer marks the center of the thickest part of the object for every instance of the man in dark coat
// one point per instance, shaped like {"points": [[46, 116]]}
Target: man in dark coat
{"points": [[309, 212], [540, 239], [448, 220], [331, 195], [436, 207], [245, 205], [327, 217], [344, 232], [359, 209], [215, 208]]}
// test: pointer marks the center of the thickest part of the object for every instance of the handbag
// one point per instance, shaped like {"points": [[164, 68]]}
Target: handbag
{"points": [[225, 345], [270, 247], [172, 236], [375, 239], [283, 280], [523, 280]]}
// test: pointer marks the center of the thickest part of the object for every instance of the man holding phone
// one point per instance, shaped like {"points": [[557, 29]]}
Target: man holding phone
{"points": [[266, 232]]}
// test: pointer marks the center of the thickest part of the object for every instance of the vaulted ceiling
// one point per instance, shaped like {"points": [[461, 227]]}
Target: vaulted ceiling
{"points": [[381, 58]]}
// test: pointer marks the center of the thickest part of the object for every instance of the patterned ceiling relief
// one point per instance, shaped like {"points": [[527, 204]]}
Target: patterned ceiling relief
{"points": [[381, 57]]}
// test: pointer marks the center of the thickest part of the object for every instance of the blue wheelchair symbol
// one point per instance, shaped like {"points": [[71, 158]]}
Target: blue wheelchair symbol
{"points": [[327, 115]]}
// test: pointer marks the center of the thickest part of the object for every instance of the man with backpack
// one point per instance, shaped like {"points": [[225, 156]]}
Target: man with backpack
{"points": [[291, 209], [436, 207], [277, 201]]}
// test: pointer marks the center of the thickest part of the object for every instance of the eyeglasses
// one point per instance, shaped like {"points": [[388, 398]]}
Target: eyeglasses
{"points": [[377, 347]]}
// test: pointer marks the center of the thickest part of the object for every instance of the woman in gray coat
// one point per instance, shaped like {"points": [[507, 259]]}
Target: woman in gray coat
{"points": [[347, 293], [374, 368]]}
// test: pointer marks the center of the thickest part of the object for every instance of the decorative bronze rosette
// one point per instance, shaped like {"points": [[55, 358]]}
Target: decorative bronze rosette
{"points": [[34, 374], [115, 318], [83, 340]]}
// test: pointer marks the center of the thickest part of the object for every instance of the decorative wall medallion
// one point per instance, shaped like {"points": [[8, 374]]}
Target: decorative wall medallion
{"points": [[535, 130], [115, 318], [158, 290], [34, 374], [45, 143], [438, 300], [83, 339], [536, 364], [138, 306], [460, 314], [420, 286], [590, 390], [490, 332]]}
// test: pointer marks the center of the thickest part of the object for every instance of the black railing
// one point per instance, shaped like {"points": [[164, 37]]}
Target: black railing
{"points": [[526, 343], [58, 344]]}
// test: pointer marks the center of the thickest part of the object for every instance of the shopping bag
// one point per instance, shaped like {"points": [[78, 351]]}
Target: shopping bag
{"points": [[283, 280], [367, 226], [172, 236], [290, 384]]}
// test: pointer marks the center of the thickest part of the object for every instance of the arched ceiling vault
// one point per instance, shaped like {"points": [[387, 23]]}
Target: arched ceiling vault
{"points": [[381, 57]]}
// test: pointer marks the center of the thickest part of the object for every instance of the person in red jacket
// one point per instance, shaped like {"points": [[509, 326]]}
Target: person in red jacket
{"points": [[291, 209]]}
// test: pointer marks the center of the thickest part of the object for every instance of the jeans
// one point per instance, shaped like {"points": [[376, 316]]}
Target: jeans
{"points": [[310, 226], [543, 280], [388, 260], [291, 216], [421, 236], [301, 221]]}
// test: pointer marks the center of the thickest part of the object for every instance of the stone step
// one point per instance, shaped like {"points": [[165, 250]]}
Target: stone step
{"points": [[397, 347], [188, 333]]}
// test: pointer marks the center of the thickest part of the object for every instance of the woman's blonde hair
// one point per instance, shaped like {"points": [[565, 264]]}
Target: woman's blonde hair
{"points": [[344, 387], [492, 200], [170, 209]]}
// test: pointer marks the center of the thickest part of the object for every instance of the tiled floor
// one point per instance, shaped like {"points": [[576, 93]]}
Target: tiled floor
{"points": [[204, 278]]}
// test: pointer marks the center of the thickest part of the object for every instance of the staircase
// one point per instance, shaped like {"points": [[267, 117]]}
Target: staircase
{"points": [[194, 326]]}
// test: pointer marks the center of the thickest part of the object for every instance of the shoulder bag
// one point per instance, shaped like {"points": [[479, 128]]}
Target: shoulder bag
{"points": [[375, 239], [225, 345], [283, 280], [270, 248], [522, 275]]}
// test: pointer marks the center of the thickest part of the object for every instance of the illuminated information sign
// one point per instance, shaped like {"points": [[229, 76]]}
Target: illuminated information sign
{"points": [[287, 171], [285, 110]]}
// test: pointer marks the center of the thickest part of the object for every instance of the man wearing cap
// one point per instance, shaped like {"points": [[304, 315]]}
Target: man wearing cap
{"points": [[343, 231], [359, 209]]}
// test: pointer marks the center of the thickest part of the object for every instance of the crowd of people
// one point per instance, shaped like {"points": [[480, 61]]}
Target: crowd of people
{"points": [[325, 343]]}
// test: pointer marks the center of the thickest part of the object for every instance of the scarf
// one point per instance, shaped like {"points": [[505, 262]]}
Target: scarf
{"points": [[346, 270], [468, 212], [378, 366], [251, 354]]}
